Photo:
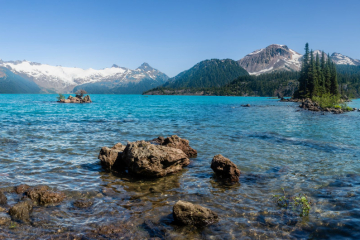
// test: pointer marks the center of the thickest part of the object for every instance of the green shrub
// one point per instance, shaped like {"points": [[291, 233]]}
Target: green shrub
{"points": [[345, 107], [337, 106], [61, 96], [327, 100]]}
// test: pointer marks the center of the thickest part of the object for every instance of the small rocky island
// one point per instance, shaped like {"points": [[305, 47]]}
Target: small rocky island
{"points": [[79, 98], [308, 104]]}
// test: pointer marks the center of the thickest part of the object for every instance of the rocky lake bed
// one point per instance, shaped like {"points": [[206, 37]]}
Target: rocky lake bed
{"points": [[93, 172]]}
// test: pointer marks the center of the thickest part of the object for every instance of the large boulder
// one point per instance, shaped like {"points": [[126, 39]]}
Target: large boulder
{"points": [[176, 142], [111, 158], [225, 169], [186, 213], [21, 210], [43, 195], [3, 198], [146, 159]]}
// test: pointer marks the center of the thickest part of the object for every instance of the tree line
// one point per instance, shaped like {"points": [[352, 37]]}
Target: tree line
{"points": [[318, 76]]}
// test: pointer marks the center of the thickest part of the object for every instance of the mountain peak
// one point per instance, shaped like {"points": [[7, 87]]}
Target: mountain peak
{"points": [[273, 57], [144, 66]]}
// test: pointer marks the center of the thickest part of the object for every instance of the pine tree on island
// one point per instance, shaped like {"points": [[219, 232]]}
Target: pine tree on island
{"points": [[317, 77], [318, 82]]}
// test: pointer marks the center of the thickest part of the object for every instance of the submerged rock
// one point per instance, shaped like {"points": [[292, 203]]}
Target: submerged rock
{"points": [[186, 213], [245, 105], [225, 169], [111, 157], [83, 203], [146, 159], [4, 218], [21, 210], [3, 198], [43, 195], [290, 100]]}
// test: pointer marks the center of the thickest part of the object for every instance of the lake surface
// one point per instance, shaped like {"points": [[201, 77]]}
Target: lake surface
{"points": [[274, 145]]}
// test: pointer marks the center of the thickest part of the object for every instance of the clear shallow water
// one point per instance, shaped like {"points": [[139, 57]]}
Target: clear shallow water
{"points": [[274, 145]]}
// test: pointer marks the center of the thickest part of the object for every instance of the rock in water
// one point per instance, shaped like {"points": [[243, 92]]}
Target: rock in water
{"points": [[3, 198], [42, 195], [83, 203], [4, 219], [76, 99], [176, 142], [111, 157], [87, 99], [21, 210], [146, 159], [21, 188], [225, 169], [158, 140], [186, 213]]}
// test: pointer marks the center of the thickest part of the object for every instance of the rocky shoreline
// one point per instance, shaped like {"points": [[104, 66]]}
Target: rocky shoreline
{"points": [[308, 104], [156, 158]]}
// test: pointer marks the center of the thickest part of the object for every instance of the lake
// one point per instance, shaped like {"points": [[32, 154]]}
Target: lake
{"points": [[273, 144]]}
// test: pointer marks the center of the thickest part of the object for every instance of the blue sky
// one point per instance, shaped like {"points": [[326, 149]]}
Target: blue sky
{"points": [[171, 36]]}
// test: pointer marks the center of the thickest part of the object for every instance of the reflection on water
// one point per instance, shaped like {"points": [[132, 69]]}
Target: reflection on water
{"points": [[275, 146]]}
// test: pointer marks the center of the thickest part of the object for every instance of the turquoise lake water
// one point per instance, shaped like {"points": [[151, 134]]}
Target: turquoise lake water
{"points": [[273, 144]]}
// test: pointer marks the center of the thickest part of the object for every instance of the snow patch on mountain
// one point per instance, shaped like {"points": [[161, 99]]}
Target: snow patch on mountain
{"points": [[64, 79], [67, 75], [338, 58]]}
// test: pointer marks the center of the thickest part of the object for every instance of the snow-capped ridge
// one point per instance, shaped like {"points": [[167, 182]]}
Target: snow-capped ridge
{"points": [[339, 58], [64, 79]]}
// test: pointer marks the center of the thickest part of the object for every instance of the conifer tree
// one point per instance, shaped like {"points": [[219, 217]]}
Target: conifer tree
{"points": [[303, 79], [323, 67], [328, 75], [333, 80], [317, 77], [311, 76]]}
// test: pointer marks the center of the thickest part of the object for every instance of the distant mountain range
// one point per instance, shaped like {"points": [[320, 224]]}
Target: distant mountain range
{"points": [[58, 79], [30, 77], [279, 57]]}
